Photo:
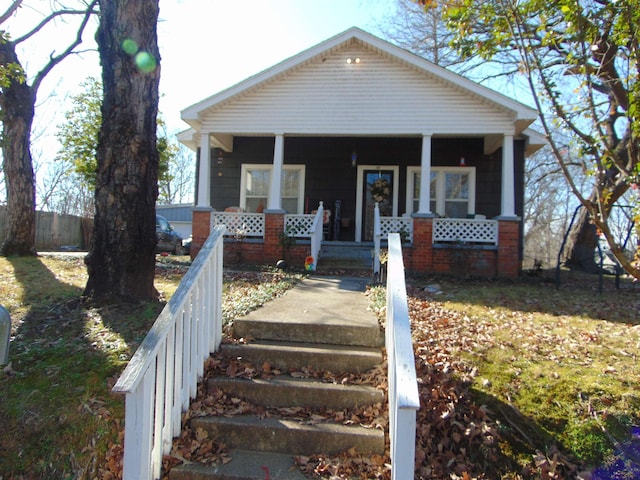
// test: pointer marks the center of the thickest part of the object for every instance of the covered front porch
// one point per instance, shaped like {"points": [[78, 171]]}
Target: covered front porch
{"points": [[465, 247], [376, 139]]}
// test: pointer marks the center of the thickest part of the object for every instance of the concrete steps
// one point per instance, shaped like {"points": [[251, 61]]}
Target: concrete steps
{"points": [[283, 391], [322, 325], [289, 356], [345, 256]]}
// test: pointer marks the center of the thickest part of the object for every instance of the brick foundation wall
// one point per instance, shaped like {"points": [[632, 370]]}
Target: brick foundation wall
{"points": [[509, 264], [503, 262], [201, 227]]}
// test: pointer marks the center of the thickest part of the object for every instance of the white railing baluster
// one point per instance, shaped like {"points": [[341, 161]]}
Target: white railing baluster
{"points": [[404, 400], [162, 375]]}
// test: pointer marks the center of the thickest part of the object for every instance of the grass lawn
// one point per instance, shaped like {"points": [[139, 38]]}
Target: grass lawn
{"points": [[517, 380], [58, 418]]}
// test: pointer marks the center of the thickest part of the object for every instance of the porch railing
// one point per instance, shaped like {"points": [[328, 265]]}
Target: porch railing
{"points": [[239, 223], [404, 400], [383, 226], [299, 225], [162, 375], [316, 235], [451, 230]]}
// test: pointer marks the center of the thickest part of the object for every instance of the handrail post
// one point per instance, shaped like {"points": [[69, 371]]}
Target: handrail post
{"points": [[316, 235], [376, 240]]}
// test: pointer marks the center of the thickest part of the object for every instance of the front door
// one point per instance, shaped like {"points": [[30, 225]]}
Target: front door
{"points": [[377, 187]]}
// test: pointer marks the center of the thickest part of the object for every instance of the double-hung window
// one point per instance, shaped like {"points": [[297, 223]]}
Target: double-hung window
{"points": [[255, 182], [453, 191]]}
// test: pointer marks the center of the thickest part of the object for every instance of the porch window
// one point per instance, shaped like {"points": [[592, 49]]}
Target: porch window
{"points": [[453, 192], [254, 187]]}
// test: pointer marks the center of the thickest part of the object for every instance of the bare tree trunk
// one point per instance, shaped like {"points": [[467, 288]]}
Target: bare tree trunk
{"points": [[17, 105], [581, 244], [121, 262]]}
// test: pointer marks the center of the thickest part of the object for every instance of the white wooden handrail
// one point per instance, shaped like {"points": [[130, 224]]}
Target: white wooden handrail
{"points": [[377, 233], [162, 376], [404, 400], [316, 235]]}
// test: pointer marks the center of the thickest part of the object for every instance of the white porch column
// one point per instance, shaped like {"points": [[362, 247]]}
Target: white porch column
{"points": [[424, 205], [204, 172], [508, 207], [274, 202]]}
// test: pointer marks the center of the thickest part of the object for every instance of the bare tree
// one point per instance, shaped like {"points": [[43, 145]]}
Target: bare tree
{"points": [[581, 60], [121, 260], [17, 103], [179, 183]]}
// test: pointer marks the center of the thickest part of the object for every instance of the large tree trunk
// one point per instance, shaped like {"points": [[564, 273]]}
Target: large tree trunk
{"points": [[17, 104], [582, 242], [121, 261]]}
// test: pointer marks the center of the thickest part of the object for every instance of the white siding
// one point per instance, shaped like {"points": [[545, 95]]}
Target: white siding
{"points": [[380, 95]]}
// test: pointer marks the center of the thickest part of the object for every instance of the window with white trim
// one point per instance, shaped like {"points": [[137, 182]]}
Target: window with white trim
{"points": [[453, 191], [254, 187]]}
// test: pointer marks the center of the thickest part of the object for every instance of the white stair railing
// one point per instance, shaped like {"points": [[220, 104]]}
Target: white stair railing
{"points": [[162, 376], [377, 234], [316, 235], [404, 400]]}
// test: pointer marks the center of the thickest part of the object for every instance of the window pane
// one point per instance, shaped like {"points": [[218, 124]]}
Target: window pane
{"points": [[434, 186], [456, 209], [290, 205], [457, 186], [290, 183], [256, 204], [258, 183]]}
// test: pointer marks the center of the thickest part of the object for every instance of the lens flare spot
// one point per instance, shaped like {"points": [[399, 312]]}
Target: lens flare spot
{"points": [[130, 46], [145, 62]]}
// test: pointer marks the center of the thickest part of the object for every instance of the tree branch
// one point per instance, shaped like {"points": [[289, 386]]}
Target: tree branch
{"points": [[54, 60], [12, 8]]}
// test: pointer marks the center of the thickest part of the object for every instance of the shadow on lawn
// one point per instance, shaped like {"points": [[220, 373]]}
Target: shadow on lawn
{"points": [[64, 355]]}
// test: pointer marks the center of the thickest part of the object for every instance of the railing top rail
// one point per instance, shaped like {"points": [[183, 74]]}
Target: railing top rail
{"points": [[408, 396], [145, 353]]}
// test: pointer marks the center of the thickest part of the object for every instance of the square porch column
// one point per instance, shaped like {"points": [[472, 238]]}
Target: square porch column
{"points": [[508, 193], [425, 176], [204, 172], [274, 201]]}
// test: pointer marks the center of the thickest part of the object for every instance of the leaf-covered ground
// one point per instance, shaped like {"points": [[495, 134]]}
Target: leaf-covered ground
{"points": [[517, 380], [491, 366]]}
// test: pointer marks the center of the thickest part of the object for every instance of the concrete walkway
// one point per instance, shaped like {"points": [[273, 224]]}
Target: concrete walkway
{"points": [[319, 300]]}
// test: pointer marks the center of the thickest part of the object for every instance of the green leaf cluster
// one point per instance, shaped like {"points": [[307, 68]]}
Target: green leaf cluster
{"points": [[79, 135]]}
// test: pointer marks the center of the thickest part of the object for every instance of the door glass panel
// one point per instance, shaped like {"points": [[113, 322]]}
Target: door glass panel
{"points": [[378, 188]]}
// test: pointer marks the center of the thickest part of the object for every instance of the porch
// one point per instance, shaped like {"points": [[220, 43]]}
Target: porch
{"points": [[465, 247]]}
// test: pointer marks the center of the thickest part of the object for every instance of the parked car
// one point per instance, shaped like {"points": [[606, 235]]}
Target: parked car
{"points": [[168, 239]]}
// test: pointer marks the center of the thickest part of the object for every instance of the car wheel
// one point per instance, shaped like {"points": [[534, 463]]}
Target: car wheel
{"points": [[179, 250]]}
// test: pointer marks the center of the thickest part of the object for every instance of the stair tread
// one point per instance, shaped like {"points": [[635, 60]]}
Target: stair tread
{"points": [[284, 391], [244, 465], [282, 435]]}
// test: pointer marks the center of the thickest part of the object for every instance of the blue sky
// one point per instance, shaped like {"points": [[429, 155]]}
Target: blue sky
{"points": [[206, 46]]}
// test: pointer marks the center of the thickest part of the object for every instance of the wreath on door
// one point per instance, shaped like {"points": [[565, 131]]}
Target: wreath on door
{"points": [[380, 190]]}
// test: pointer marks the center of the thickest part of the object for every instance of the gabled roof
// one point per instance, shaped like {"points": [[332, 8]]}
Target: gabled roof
{"points": [[521, 115]]}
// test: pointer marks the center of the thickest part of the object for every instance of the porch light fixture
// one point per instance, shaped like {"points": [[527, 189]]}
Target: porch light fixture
{"points": [[354, 158], [353, 60]]}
